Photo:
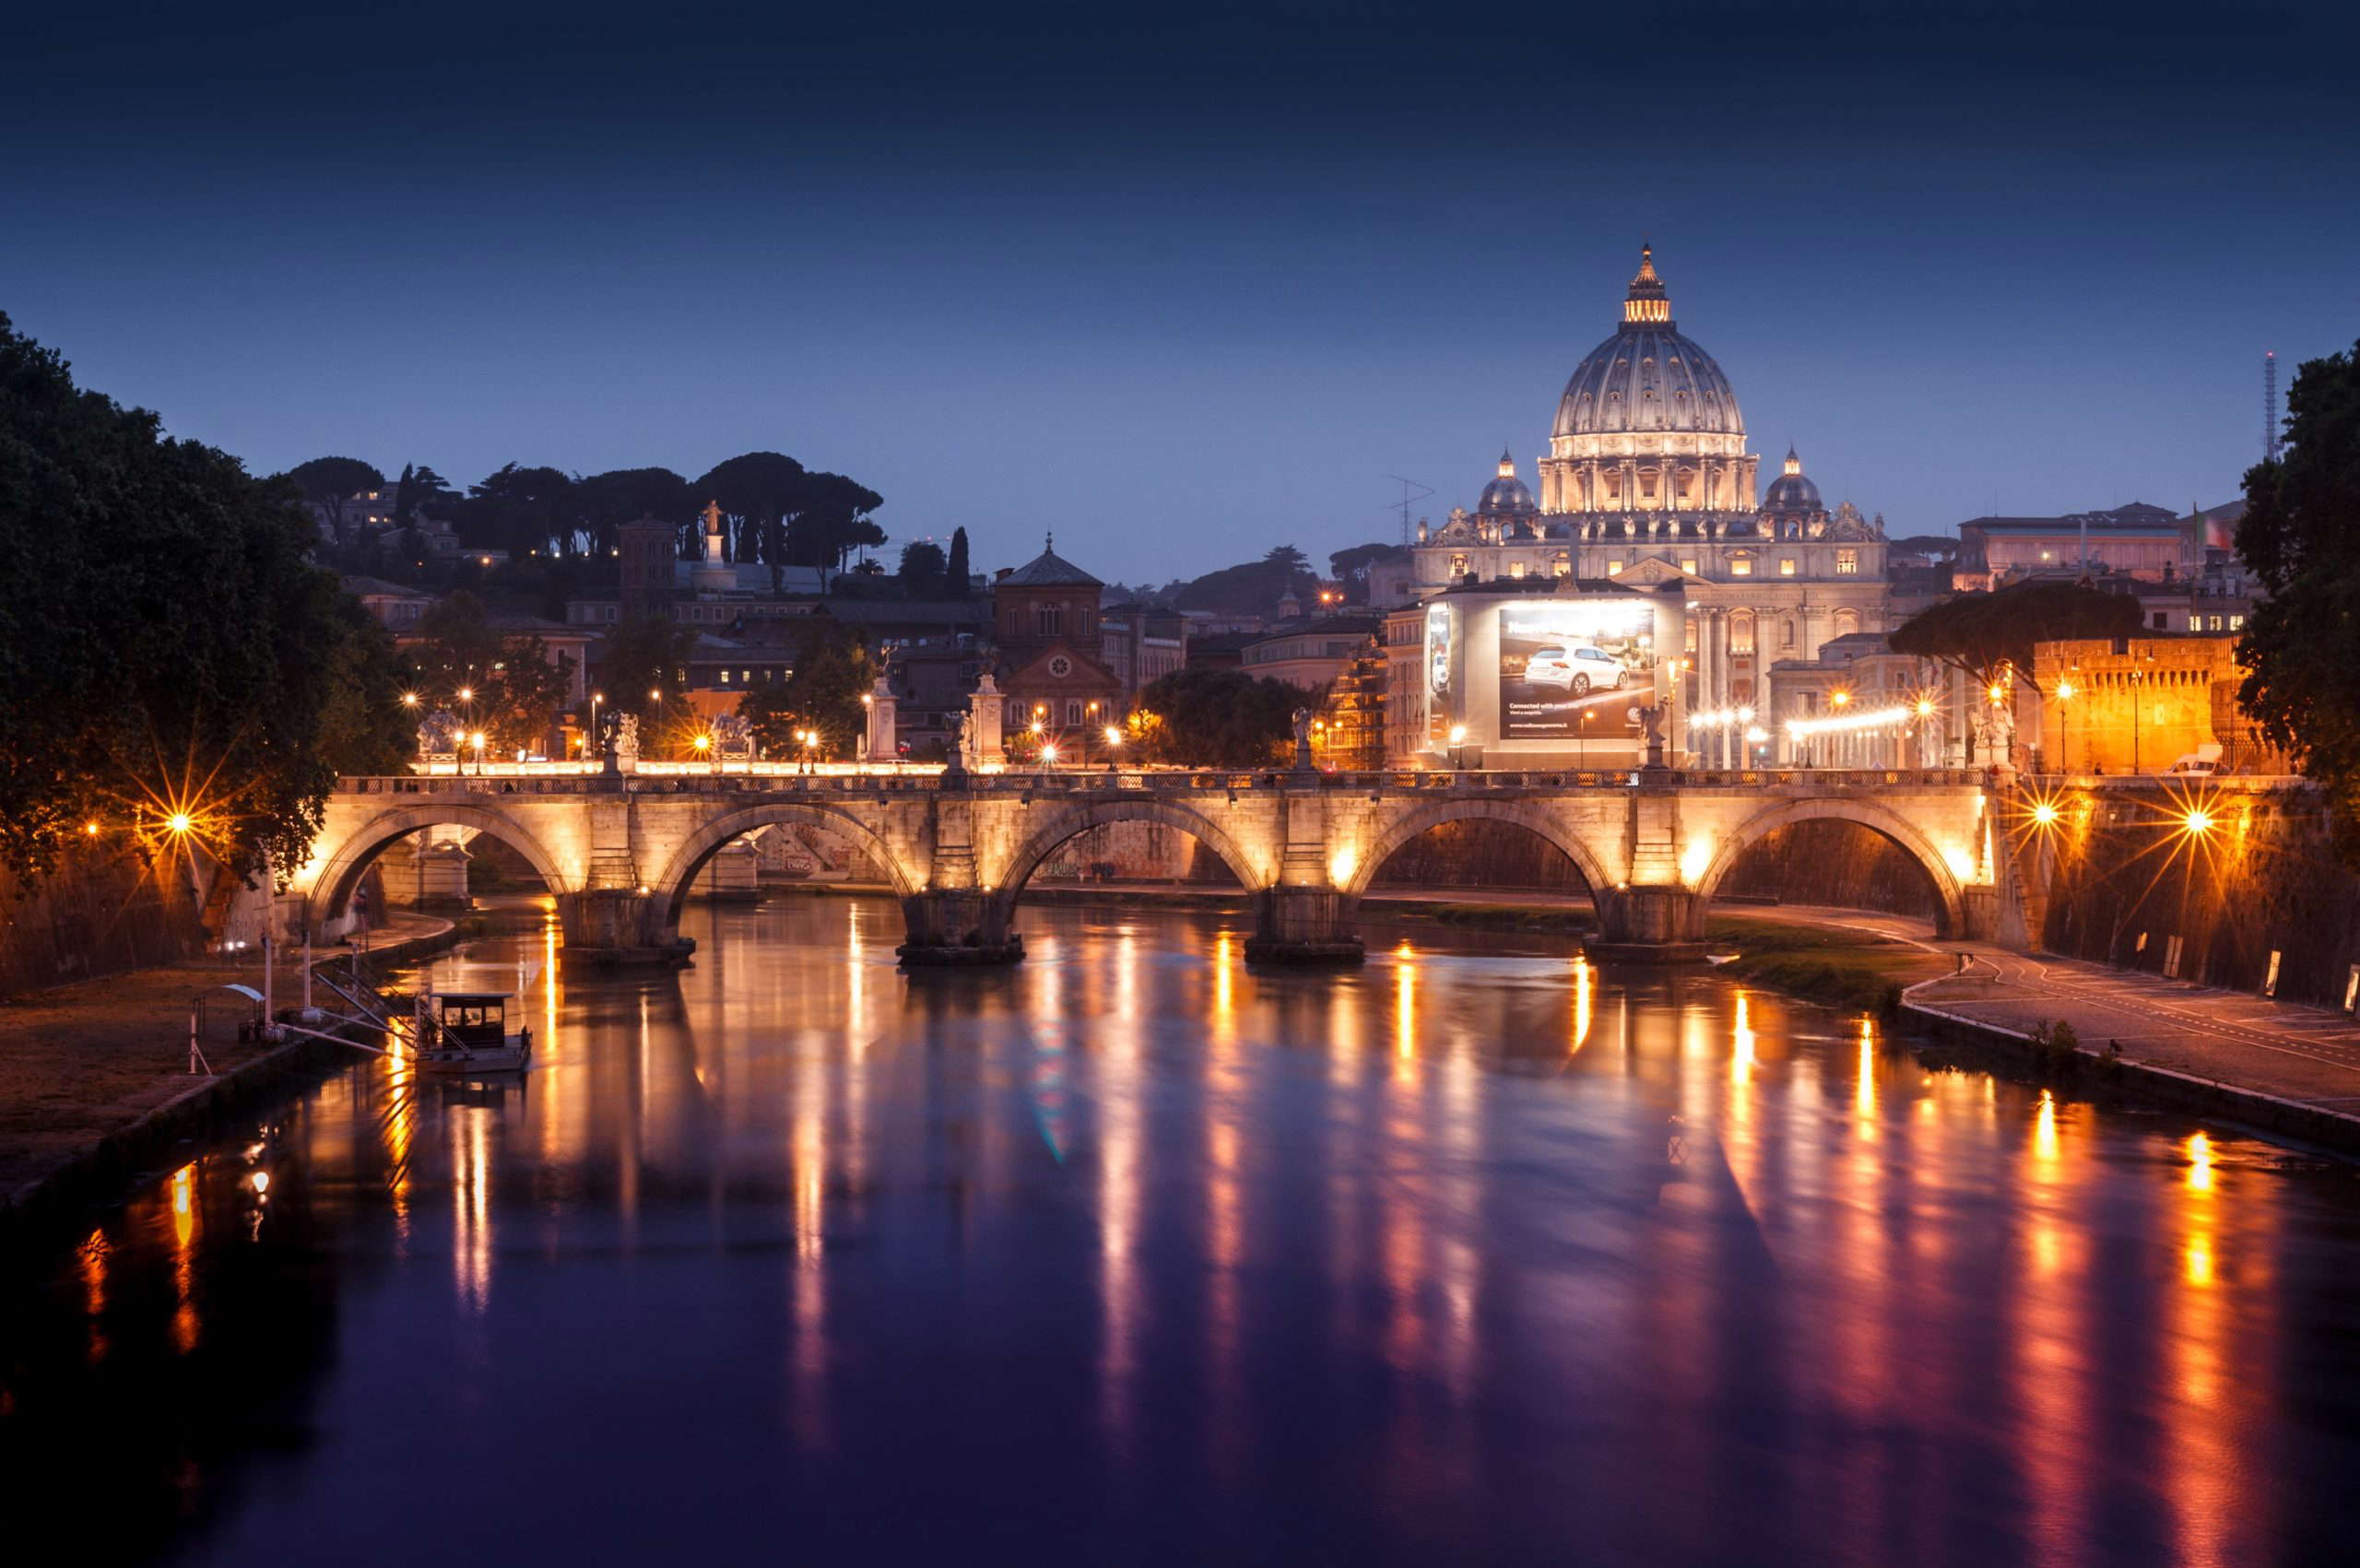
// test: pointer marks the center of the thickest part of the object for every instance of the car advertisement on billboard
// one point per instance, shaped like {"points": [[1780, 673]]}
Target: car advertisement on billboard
{"points": [[1573, 669]]}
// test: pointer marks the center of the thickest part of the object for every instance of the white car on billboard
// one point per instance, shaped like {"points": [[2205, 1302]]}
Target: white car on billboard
{"points": [[1576, 667]]}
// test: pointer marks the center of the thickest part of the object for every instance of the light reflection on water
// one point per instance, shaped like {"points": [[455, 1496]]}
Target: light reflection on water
{"points": [[1137, 1254]]}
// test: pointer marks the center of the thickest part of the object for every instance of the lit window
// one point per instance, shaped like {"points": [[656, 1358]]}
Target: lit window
{"points": [[1741, 633], [1785, 566], [1614, 569], [1688, 564], [1515, 569], [2236, 623], [1848, 563], [724, 677], [1741, 566]]}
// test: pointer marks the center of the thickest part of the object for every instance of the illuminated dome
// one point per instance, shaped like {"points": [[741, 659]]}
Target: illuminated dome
{"points": [[1506, 496], [1648, 424], [1648, 377]]}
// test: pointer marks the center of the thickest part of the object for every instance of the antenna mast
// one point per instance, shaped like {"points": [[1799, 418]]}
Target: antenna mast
{"points": [[2270, 405], [1408, 485]]}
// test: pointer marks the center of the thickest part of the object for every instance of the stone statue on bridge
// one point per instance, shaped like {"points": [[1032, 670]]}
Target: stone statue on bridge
{"points": [[627, 742], [956, 761], [1651, 720], [437, 739], [733, 740], [1302, 738]]}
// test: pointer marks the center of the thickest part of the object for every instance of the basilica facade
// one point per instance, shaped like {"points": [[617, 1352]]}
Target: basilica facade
{"points": [[1647, 488]]}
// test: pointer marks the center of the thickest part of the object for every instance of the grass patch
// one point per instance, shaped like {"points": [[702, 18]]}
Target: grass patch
{"points": [[1857, 971]]}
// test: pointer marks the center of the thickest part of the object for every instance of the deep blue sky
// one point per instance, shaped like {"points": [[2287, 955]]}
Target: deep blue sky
{"points": [[1185, 282]]}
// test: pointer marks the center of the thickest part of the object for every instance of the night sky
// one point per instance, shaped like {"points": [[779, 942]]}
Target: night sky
{"points": [[1183, 282]]}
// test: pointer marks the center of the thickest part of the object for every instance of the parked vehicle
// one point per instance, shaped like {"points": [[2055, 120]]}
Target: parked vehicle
{"points": [[1575, 669], [2201, 764]]}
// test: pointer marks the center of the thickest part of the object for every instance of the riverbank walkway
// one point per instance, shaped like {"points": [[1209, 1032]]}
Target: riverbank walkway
{"points": [[84, 1061]]}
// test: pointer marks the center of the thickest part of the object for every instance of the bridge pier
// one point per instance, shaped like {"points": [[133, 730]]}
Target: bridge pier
{"points": [[1652, 925], [957, 928], [619, 927], [1305, 926]]}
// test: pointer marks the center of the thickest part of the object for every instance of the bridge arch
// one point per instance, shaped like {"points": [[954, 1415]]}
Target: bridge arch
{"points": [[673, 883], [1536, 820], [341, 871], [1069, 821], [1949, 894]]}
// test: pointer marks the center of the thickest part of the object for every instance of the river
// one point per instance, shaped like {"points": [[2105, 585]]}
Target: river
{"points": [[1133, 1254]]}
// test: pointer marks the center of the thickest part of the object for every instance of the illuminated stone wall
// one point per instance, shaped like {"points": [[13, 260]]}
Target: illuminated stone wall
{"points": [[2136, 711], [2133, 886]]}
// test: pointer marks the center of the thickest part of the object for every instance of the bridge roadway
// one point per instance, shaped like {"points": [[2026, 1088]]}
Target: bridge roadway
{"points": [[620, 852]]}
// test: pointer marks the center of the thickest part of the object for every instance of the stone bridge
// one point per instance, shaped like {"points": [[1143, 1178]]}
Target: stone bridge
{"points": [[620, 853]]}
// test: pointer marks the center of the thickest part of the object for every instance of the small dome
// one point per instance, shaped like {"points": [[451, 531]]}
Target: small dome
{"points": [[1506, 496], [1790, 492]]}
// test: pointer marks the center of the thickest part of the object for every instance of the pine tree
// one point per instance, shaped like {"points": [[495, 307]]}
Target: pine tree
{"points": [[955, 573]]}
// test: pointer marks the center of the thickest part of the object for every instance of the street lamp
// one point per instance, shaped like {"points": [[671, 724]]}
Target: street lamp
{"points": [[1049, 753], [1113, 741], [1458, 738], [591, 739], [476, 740]]}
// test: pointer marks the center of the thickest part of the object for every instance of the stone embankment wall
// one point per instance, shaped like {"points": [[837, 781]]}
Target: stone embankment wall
{"points": [[2130, 884]]}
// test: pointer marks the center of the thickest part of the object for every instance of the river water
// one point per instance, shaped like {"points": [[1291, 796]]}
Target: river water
{"points": [[1131, 1254]]}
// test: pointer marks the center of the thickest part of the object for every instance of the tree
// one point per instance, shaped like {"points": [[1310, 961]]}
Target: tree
{"points": [[2301, 647], [520, 511], [1217, 718], [643, 669], [834, 522], [330, 483], [365, 729], [517, 688], [958, 577], [759, 490], [833, 669], [605, 501], [1988, 634], [1253, 588], [162, 637], [1351, 567], [922, 570]]}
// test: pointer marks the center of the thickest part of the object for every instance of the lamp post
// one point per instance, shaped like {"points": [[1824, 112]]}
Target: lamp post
{"points": [[591, 741], [1113, 740], [2136, 677], [1458, 738], [476, 740], [2065, 727]]}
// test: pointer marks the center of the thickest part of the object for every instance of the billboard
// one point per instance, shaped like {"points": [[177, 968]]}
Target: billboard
{"points": [[1439, 706], [1574, 669]]}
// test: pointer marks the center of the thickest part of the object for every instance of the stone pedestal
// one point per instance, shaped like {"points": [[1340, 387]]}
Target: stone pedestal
{"points": [[1651, 925], [1304, 926], [957, 928], [442, 876], [620, 928]]}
